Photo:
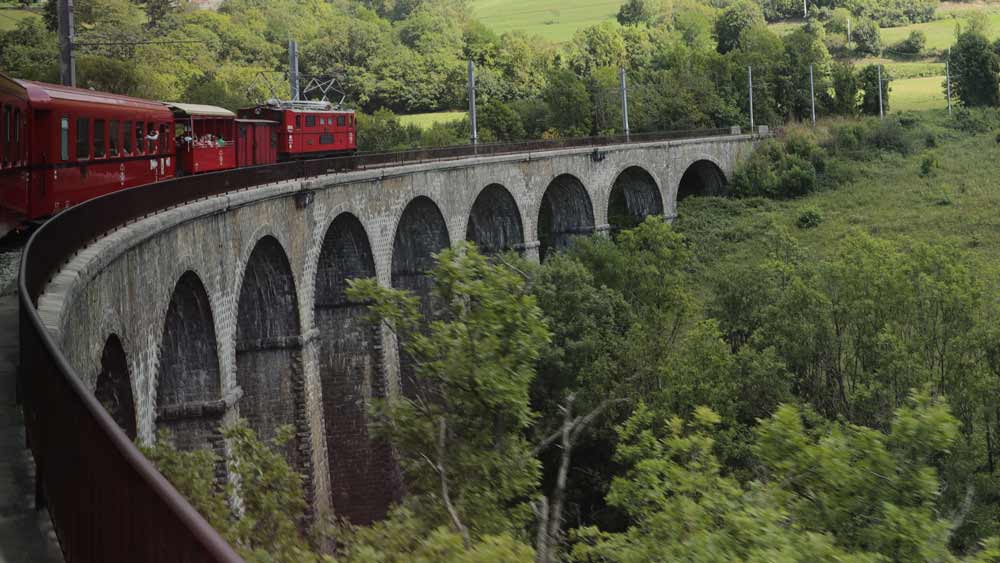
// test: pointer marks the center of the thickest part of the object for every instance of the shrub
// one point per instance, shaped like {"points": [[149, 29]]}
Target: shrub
{"points": [[913, 44], [927, 165], [781, 169], [809, 218]]}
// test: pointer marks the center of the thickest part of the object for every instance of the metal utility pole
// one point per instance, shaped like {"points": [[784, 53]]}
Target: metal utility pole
{"points": [[624, 105], [947, 73], [750, 77], [67, 62], [472, 102], [805, 9], [848, 32], [293, 68], [812, 95], [881, 113]]}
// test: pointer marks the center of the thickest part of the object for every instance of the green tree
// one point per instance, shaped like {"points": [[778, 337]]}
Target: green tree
{"points": [[828, 491], [740, 15], [867, 37], [846, 89], [634, 12], [869, 82], [502, 121], [461, 435], [570, 107], [974, 69]]}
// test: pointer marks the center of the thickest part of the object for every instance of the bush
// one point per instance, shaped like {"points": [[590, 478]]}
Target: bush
{"points": [[781, 170], [865, 138], [913, 44], [927, 165], [867, 37], [975, 120], [809, 218]]}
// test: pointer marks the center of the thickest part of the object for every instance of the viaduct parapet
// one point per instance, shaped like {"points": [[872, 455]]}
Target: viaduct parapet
{"points": [[234, 306]]}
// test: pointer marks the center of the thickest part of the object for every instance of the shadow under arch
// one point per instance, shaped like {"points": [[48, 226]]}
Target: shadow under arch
{"points": [[363, 483], [421, 232], [114, 386], [702, 178], [634, 196], [495, 222], [566, 212], [269, 350], [188, 387]]}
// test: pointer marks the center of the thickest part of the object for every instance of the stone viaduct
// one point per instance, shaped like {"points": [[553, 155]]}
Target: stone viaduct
{"points": [[234, 305]]}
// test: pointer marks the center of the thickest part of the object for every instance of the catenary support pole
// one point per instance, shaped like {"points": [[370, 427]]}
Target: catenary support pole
{"points": [[67, 61], [805, 9], [624, 89], [472, 103], [848, 32], [812, 95], [947, 72], [750, 78], [881, 112], [293, 69]]}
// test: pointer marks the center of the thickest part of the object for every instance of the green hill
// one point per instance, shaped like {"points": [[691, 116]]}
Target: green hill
{"points": [[555, 20]]}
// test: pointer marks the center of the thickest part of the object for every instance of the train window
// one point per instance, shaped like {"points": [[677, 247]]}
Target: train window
{"points": [[82, 137], [298, 121], [310, 121], [64, 138], [341, 121], [17, 125], [99, 134], [6, 123], [151, 137], [113, 131], [127, 138], [140, 136]]}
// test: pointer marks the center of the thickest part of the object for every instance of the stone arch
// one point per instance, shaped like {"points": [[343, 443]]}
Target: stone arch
{"points": [[188, 387], [495, 222], [634, 196], [566, 211], [420, 233], [361, 476], [702, 178], [114, 386], [269, 350]]}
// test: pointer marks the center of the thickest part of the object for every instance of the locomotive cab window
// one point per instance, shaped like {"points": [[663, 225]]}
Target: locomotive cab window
{"points": [[99, 138], [113, 132], [341, 121], [310, 121], [298, 121], [64, 138], [82, 138]]}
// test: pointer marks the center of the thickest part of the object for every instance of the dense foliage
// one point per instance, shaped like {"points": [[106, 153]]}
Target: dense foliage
{"points": [[687, 62]]}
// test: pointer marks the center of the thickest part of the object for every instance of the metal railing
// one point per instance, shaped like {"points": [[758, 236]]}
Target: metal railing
{"points": [[107, 502]]}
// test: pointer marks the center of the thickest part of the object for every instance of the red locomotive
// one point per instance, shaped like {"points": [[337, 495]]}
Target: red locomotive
{"points": [[60, 146], [308, 129]]}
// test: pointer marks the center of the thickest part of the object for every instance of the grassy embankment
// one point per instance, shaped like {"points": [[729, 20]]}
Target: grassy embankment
{"points": [[957, 203], [10, 16]]}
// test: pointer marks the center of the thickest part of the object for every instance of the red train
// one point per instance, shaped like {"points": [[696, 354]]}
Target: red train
{"points": [[60, 146]]}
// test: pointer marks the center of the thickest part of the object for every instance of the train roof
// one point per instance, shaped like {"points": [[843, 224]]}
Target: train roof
{"points": [[42, 93], [198, 110]]}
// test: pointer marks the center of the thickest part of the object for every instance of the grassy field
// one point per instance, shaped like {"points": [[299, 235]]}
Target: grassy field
{"points": [[10, 17], [426, 120], [555, 20], [957, 204], [941, 32], [918, 94]]}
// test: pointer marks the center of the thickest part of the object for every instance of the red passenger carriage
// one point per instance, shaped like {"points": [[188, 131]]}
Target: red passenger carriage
{"points": [[60, 146], [204, 138]]}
